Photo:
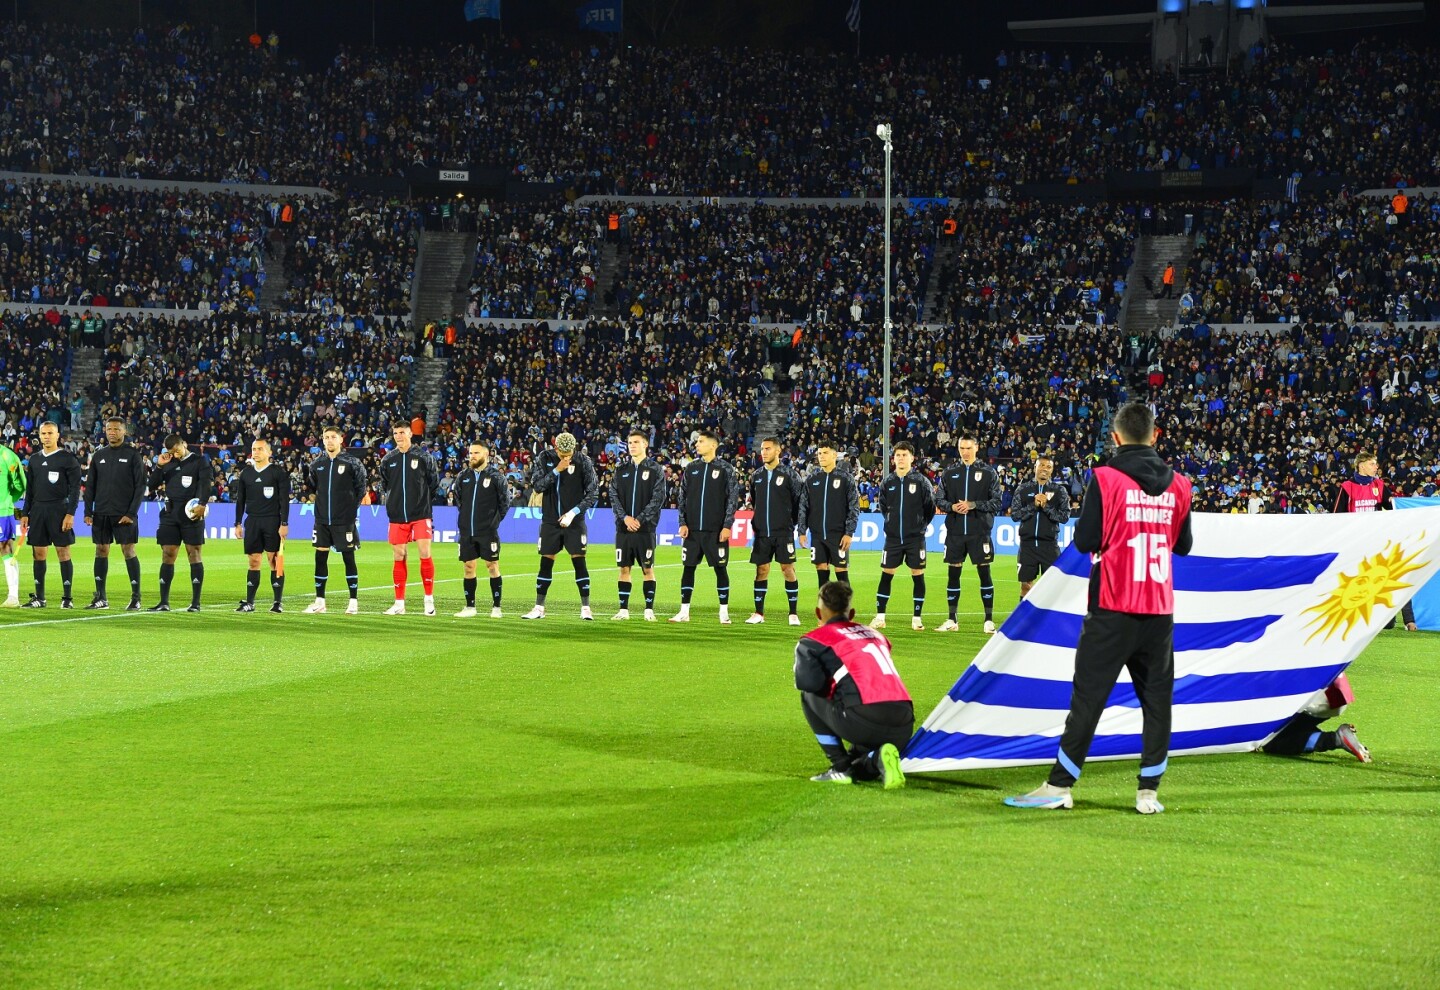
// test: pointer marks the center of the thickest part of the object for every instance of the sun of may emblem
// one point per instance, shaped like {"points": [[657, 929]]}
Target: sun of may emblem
{"points": [[1376, 579]]}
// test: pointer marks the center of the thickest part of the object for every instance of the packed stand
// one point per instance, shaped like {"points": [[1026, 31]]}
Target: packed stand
{"points": [[610, 119], [34, 355], [1347, 258], [351, 256], [535, 262]]}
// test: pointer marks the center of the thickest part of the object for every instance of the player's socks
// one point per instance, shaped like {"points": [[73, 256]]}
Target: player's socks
{"points": [[987, 589], [252, 585], [843, 577], [67, 577], [792, 595], [102, 571], [322, 572], [427, 575], [197, 582], [543, 579], [132, 568], [167, 578], [352, 573], [38, 570], [919, 594], [277, 585], [761, 589], [649, 589], [687, 584], [12, 576], [399, 575], [882, 594], [470, 585], [625, 587], [722, 584], [952, 592], [823, 574], [582, 580], [497, 587]]}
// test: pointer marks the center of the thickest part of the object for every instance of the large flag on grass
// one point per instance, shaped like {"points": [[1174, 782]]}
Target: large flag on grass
{"points": [[1268, 610]]}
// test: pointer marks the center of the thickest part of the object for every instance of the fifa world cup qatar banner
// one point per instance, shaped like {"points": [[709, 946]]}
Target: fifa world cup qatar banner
{"points": [[1269, 609], [522, 525]]}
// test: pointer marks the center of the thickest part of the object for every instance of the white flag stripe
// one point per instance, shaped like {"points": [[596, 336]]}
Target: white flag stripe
{"points": [[1121, 720], [971, 763]]}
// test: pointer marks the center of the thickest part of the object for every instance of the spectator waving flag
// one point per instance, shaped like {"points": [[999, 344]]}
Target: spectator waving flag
{"points": [[482, 10], [1269, 609], [852, 16]]}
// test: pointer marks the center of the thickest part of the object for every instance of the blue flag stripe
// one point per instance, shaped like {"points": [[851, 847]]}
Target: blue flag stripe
{"points": [[1032, 624], [1225, 573], [928, 745], [1016, 691]]}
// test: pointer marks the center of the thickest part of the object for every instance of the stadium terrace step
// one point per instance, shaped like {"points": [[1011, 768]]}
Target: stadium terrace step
{"points": [[86, 366], [443, 265], [1141, 312], [606, 271]]}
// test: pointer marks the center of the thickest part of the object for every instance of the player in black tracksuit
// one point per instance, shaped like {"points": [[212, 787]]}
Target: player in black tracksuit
{"points": [[114, 489], [907, 501], [970, 494], [637, 494], [52, 493], [777, 500], [709, 496], [565, 477], [262, 521], [483, 499], [832, 512], [179, 476], [1040, 507], [339, 482]]}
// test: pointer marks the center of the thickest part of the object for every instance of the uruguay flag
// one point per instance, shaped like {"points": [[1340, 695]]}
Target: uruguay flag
{"points": [[1268, 610]]}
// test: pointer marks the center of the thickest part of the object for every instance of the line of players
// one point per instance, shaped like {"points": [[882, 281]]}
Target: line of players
{"points": [[820, 509]]}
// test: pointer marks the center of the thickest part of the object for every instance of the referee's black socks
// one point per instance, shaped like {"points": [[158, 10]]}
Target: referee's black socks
{"points": [[38, 569], [252, 584], [67, 578], [167, 578], [102, 571], [277, 585], [197, 581], [132, 568]]}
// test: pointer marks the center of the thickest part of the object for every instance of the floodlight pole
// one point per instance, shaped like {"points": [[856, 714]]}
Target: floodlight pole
{"points": [[883, 132]]}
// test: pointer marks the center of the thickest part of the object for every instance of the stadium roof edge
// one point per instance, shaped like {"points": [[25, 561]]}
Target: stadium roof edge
{"points": [[1334, 17], [1112, 29], [121, 182]]}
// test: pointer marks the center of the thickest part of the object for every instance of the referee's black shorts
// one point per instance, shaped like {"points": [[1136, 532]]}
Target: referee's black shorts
{"points": [[632, 549], [780, 549], [177, 529], [335, 536], [105, 530], [975, 549], [45, 523], [572, 539], [262, 535], [707, 546], [483, 545], [1036, 558]]}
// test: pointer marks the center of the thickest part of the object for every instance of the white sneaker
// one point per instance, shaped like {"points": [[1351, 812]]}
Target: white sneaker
{"points": [[1147, 803], [724, 615], [586, 614], [621, 616], [1046, 797], [878, 622], [990, 626], [353, 607], [649, 615], [794, 619], [468, 612], [429, 604], [917, 623], [495, 613], [315, 607], [681, 616], [755, 619], [949, 625], [538, 612], [397, 609]]}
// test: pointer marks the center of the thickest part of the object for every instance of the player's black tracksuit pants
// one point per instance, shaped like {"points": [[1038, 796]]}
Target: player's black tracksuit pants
{"points": [[865, 727], [1111, 642]]}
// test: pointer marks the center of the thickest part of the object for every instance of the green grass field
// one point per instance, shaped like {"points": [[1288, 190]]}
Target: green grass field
{"points": [[296, 801]]}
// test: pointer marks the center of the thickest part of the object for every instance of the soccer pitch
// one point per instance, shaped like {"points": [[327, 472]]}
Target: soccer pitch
{"points": [[301, 801]]}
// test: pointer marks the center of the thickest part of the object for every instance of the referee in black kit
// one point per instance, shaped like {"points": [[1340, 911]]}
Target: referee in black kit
{"points": [[114, 489], [180, 475], [970, 495], [1040, 507], [262, 521], [51, 496]]}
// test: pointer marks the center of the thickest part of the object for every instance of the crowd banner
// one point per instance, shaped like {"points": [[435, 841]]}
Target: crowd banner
{"points": [[522, 525], [1269, 609]]}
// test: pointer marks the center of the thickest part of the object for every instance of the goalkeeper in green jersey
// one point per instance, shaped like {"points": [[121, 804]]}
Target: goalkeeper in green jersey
{"points": [[12, 486]]}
